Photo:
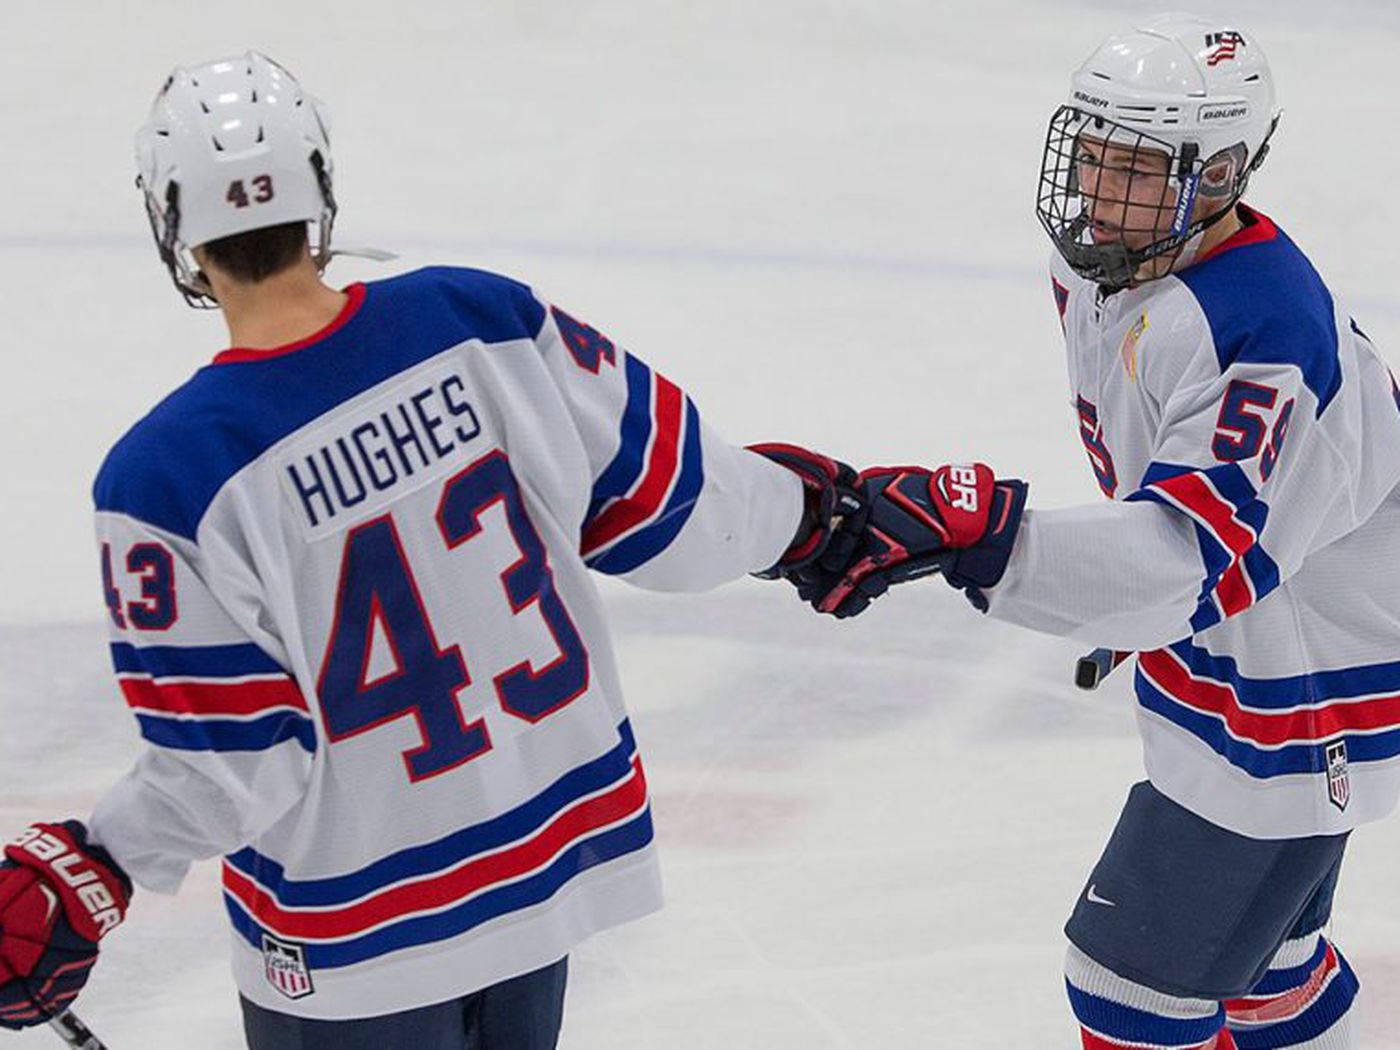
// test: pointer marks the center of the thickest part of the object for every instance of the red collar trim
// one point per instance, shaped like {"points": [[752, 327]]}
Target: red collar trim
{"points": [[1257, 229], [239, 354]]}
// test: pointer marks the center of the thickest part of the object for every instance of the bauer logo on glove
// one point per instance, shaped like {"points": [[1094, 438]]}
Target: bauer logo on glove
{"points": [[59, 896], [77, 873]]}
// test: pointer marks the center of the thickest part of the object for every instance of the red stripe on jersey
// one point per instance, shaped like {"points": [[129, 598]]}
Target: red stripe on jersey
{"points": [[212, 698], [1196, 495], [1233, 589], [452, 886], [647, 499], [1272, 1009], [1094, 1041], [1303, 725]]}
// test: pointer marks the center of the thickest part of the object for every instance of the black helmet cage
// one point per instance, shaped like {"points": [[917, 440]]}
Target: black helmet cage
{"points": [[1063, 202], [189, 280]]}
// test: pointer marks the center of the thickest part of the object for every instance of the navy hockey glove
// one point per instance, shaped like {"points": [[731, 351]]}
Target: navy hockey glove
{"points": [[59, 896], [960, 521], [831, 498]]}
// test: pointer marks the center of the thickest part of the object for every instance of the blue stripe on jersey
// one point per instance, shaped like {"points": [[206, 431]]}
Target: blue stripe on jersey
{"points": [[445, 852], [1274, 694], [226, 734], [1265, 304], [1276, 982], [1259, 762], [1329, 1008], [167, 469], [627, 838], [622, 473], [645, 544], [1126, 1024], [195, 661], [1216, 560], [1235, 488]]}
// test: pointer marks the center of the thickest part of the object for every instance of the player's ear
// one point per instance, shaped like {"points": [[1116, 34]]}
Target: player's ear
{"points": [[201, 260]]}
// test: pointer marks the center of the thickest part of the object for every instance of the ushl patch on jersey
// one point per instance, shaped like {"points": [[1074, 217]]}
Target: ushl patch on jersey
{"points": [[285, 966], [1338, 779]]}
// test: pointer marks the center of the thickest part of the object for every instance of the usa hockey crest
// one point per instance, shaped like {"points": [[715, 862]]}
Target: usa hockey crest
{"points": [[285, 966], [1338, 779]]}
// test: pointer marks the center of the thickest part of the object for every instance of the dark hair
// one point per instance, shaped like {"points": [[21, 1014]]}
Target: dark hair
{"points": [[256, 255]]}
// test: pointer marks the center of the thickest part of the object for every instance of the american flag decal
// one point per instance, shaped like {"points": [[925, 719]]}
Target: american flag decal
{"points": [[1224, 44], [285, 966], [1338, 780]]}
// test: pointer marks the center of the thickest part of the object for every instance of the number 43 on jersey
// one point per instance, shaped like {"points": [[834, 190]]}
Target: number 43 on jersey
{"points": [[378, 594]]}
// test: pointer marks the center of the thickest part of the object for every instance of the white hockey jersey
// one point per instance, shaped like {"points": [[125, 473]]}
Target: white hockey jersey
{"points": [[350, 608], [1249, 436]]}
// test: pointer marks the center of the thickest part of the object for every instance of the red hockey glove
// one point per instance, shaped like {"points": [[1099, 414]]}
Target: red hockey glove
{"points": [[59, 896], [957, 520], [831, 498]]}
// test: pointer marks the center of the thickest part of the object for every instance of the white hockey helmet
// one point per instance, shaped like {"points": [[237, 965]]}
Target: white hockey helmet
{"points": [[231, 146], [1196, 90]]}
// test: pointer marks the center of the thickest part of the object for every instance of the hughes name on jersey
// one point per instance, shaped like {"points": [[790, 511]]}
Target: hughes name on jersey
{"points": [[350, 609], [1248, 435]]}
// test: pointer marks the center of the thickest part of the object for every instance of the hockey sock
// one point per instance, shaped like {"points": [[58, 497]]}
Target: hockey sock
{"points": [[1304, 1001], [1116, 1014]]}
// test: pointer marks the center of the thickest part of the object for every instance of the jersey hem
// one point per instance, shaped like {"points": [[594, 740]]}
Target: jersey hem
{"points": [[515, 945], [1192, 775]]}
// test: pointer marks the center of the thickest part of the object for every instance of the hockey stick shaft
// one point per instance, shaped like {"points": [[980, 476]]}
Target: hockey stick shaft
{"points": [[1098, 665], [74, 1032]]}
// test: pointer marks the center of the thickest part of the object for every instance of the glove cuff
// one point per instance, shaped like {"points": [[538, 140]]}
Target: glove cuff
{"points": [[826, 491], [982, 566]]}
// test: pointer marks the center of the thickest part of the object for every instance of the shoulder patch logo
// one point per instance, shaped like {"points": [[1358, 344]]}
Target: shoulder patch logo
{"points": [[284, 964], [1338, 779], [1128, 350]]}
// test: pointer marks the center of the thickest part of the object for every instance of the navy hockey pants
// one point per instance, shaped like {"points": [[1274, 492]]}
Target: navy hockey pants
{"points": [[523, 1013]]}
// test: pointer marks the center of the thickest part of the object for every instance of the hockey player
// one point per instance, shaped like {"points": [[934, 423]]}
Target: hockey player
{"points": [[345, 568], [1248, 437]]}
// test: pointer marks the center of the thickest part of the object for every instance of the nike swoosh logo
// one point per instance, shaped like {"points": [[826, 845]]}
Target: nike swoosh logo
{"points": [[52, 898], [1094, 898]]}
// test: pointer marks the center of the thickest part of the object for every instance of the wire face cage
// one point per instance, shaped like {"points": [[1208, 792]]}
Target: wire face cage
{"points": [[1118, 203]]}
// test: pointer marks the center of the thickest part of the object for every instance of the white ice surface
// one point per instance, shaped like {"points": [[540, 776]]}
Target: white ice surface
{"points": [[816, 216]]}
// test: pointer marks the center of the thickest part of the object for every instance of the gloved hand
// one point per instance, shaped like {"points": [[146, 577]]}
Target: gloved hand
{"points": [[960, 521], [59, 896], [830, 498]]}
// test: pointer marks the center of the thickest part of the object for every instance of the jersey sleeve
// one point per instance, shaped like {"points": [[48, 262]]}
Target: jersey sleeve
{"points": [[672, 506], [227, 730], [1256, 466]]}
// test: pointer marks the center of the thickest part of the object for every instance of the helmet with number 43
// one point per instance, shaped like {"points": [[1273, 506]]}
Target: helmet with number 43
{"points": [[1162, 129], [231, 146]]}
